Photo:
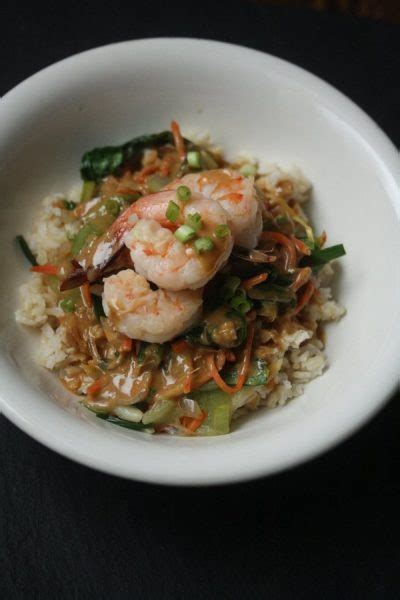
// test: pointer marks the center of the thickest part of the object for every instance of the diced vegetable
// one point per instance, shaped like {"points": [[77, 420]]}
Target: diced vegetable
{"points": [[160, 412], [229, 287], [67, 305], [218, 408], [172, 212], [183, 193], [185, 233], [26, 250], [194, 159], [203, 244], [240, 303], [248, 169], [194, 221], [222, 231], [258, 375]]}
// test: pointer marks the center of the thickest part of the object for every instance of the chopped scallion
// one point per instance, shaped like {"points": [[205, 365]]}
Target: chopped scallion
{"points": [[67, 305], [222, 231], [183, 193], [203, 244], [241, 304], [184, 233], [172, 212], [248, 169], [321, 256], [194, 159], [194, 221]]}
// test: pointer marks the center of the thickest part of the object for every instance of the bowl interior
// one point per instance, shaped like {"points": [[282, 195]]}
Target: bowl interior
{"points": [[247, 101]]}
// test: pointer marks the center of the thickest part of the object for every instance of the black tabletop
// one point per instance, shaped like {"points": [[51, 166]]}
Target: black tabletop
{"points": [[327, 529]]}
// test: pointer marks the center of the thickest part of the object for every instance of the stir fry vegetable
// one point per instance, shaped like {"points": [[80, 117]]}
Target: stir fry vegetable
{"points": [[190, 385]]}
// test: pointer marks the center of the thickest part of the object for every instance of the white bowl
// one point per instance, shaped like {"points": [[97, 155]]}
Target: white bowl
{"points": [[248, 101]]}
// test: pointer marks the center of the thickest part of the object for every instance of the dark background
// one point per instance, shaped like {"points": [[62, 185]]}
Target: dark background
{"points": [[328, 529]]}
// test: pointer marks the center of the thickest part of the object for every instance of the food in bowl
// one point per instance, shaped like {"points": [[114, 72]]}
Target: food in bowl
{"points": [[179, 290]]}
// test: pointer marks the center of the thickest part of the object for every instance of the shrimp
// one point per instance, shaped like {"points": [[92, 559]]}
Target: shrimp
{"points": [[143, 314], [236, 194], [161, 258]]}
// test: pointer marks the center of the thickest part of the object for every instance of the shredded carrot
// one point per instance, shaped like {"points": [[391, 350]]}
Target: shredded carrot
{"points": [[86, 295], [305, 297], [179, 346], [187, 384], [249, 283], [145, 172], [126, 345], [97, 385], [301, 246], [178, 140], [243, 370], [192, 424], [301, 278], [46, 269], [282, 239]]}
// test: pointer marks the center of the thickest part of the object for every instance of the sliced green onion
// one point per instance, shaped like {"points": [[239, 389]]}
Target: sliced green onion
{"points": [[222, 231], [69, 205], [241, 304], [194, 159], [68, 305], [203, 244], [327, 254], [87, 190], [184, 233], [172, 212], [194, 221], [113, 207], [98, 307], [26, 250], [248, 169], [183, 193]]}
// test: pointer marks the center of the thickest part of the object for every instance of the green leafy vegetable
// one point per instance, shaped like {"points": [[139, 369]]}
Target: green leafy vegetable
{"points": [[108, 160], [26, 250], [160, 412], [67, 305], [272, 293], [150, 355], [258, 375]]}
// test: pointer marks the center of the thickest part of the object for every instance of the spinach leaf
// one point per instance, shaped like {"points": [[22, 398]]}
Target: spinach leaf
{"points": [[108, 160]]}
